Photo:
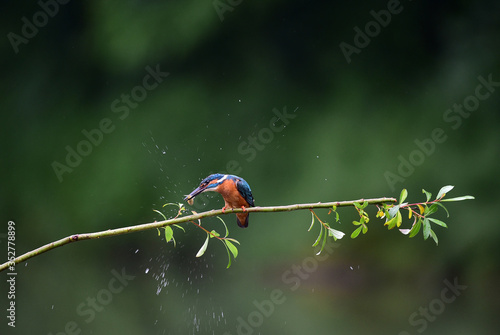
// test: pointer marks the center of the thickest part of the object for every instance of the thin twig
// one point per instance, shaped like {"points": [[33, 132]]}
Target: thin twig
{"points": [[177, 220]]}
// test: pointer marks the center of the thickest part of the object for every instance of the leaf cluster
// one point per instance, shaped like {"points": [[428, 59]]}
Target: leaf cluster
{"points": [[325, 230], [226, 241], [420, 212], [392, 213]]}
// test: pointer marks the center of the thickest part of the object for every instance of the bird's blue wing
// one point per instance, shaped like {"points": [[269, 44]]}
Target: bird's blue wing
{"points": [[245, 191]]}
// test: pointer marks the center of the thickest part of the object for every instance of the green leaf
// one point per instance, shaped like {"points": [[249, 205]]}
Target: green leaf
{"points": [[154, 210], [228, 257], [365, 229], [203, 247], [399, 219], [431, 210], [427, 229], [434, 236], [322, 244], [361, 205], [169, 233], [214, 234], [438, 222], [232, 240], [356, 232], [416, 228], [393, 211], [441, 205], [390, 223], [319, 236], [180, 227], [427, 194], [225, 226], [356, 223], [312, 222], [465, 197], [395, 221], [402, 197], [179, 205], [337, 234], [232, 248], [442, 192]]}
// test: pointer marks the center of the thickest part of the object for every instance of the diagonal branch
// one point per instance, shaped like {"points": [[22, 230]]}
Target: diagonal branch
{"points": [[159, 224]]}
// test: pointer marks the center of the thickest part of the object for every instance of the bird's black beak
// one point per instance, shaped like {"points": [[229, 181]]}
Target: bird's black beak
{"points": [[197, 191]]}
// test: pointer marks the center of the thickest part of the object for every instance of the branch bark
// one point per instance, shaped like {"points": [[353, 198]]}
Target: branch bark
{"points": [[159, 224]]}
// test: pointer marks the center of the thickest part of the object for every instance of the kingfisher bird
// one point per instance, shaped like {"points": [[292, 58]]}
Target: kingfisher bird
{"points": [[235, 191]]}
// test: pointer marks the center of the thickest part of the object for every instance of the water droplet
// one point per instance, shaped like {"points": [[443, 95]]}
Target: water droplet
{"points": [[147, 270], [137, 251], [317, 156]]}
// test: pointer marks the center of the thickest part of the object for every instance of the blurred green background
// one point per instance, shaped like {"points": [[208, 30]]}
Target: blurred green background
{"points": [[71, 69]]}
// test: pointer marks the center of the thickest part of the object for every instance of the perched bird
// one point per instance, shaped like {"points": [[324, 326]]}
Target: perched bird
{"points": [[235, 191]]}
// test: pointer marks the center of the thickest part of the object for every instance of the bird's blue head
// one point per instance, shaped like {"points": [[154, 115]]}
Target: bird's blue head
{"points": [[208, 184]]}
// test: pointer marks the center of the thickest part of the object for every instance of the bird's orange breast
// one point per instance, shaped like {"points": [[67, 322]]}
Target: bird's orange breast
{"points": [[232, 197]]}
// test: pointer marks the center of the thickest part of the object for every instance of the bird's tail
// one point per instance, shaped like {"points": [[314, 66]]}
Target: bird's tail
{"points": [[242, 219]]}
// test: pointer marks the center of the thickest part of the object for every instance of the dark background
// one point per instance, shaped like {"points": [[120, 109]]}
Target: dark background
{"points": [[356, 119]]}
